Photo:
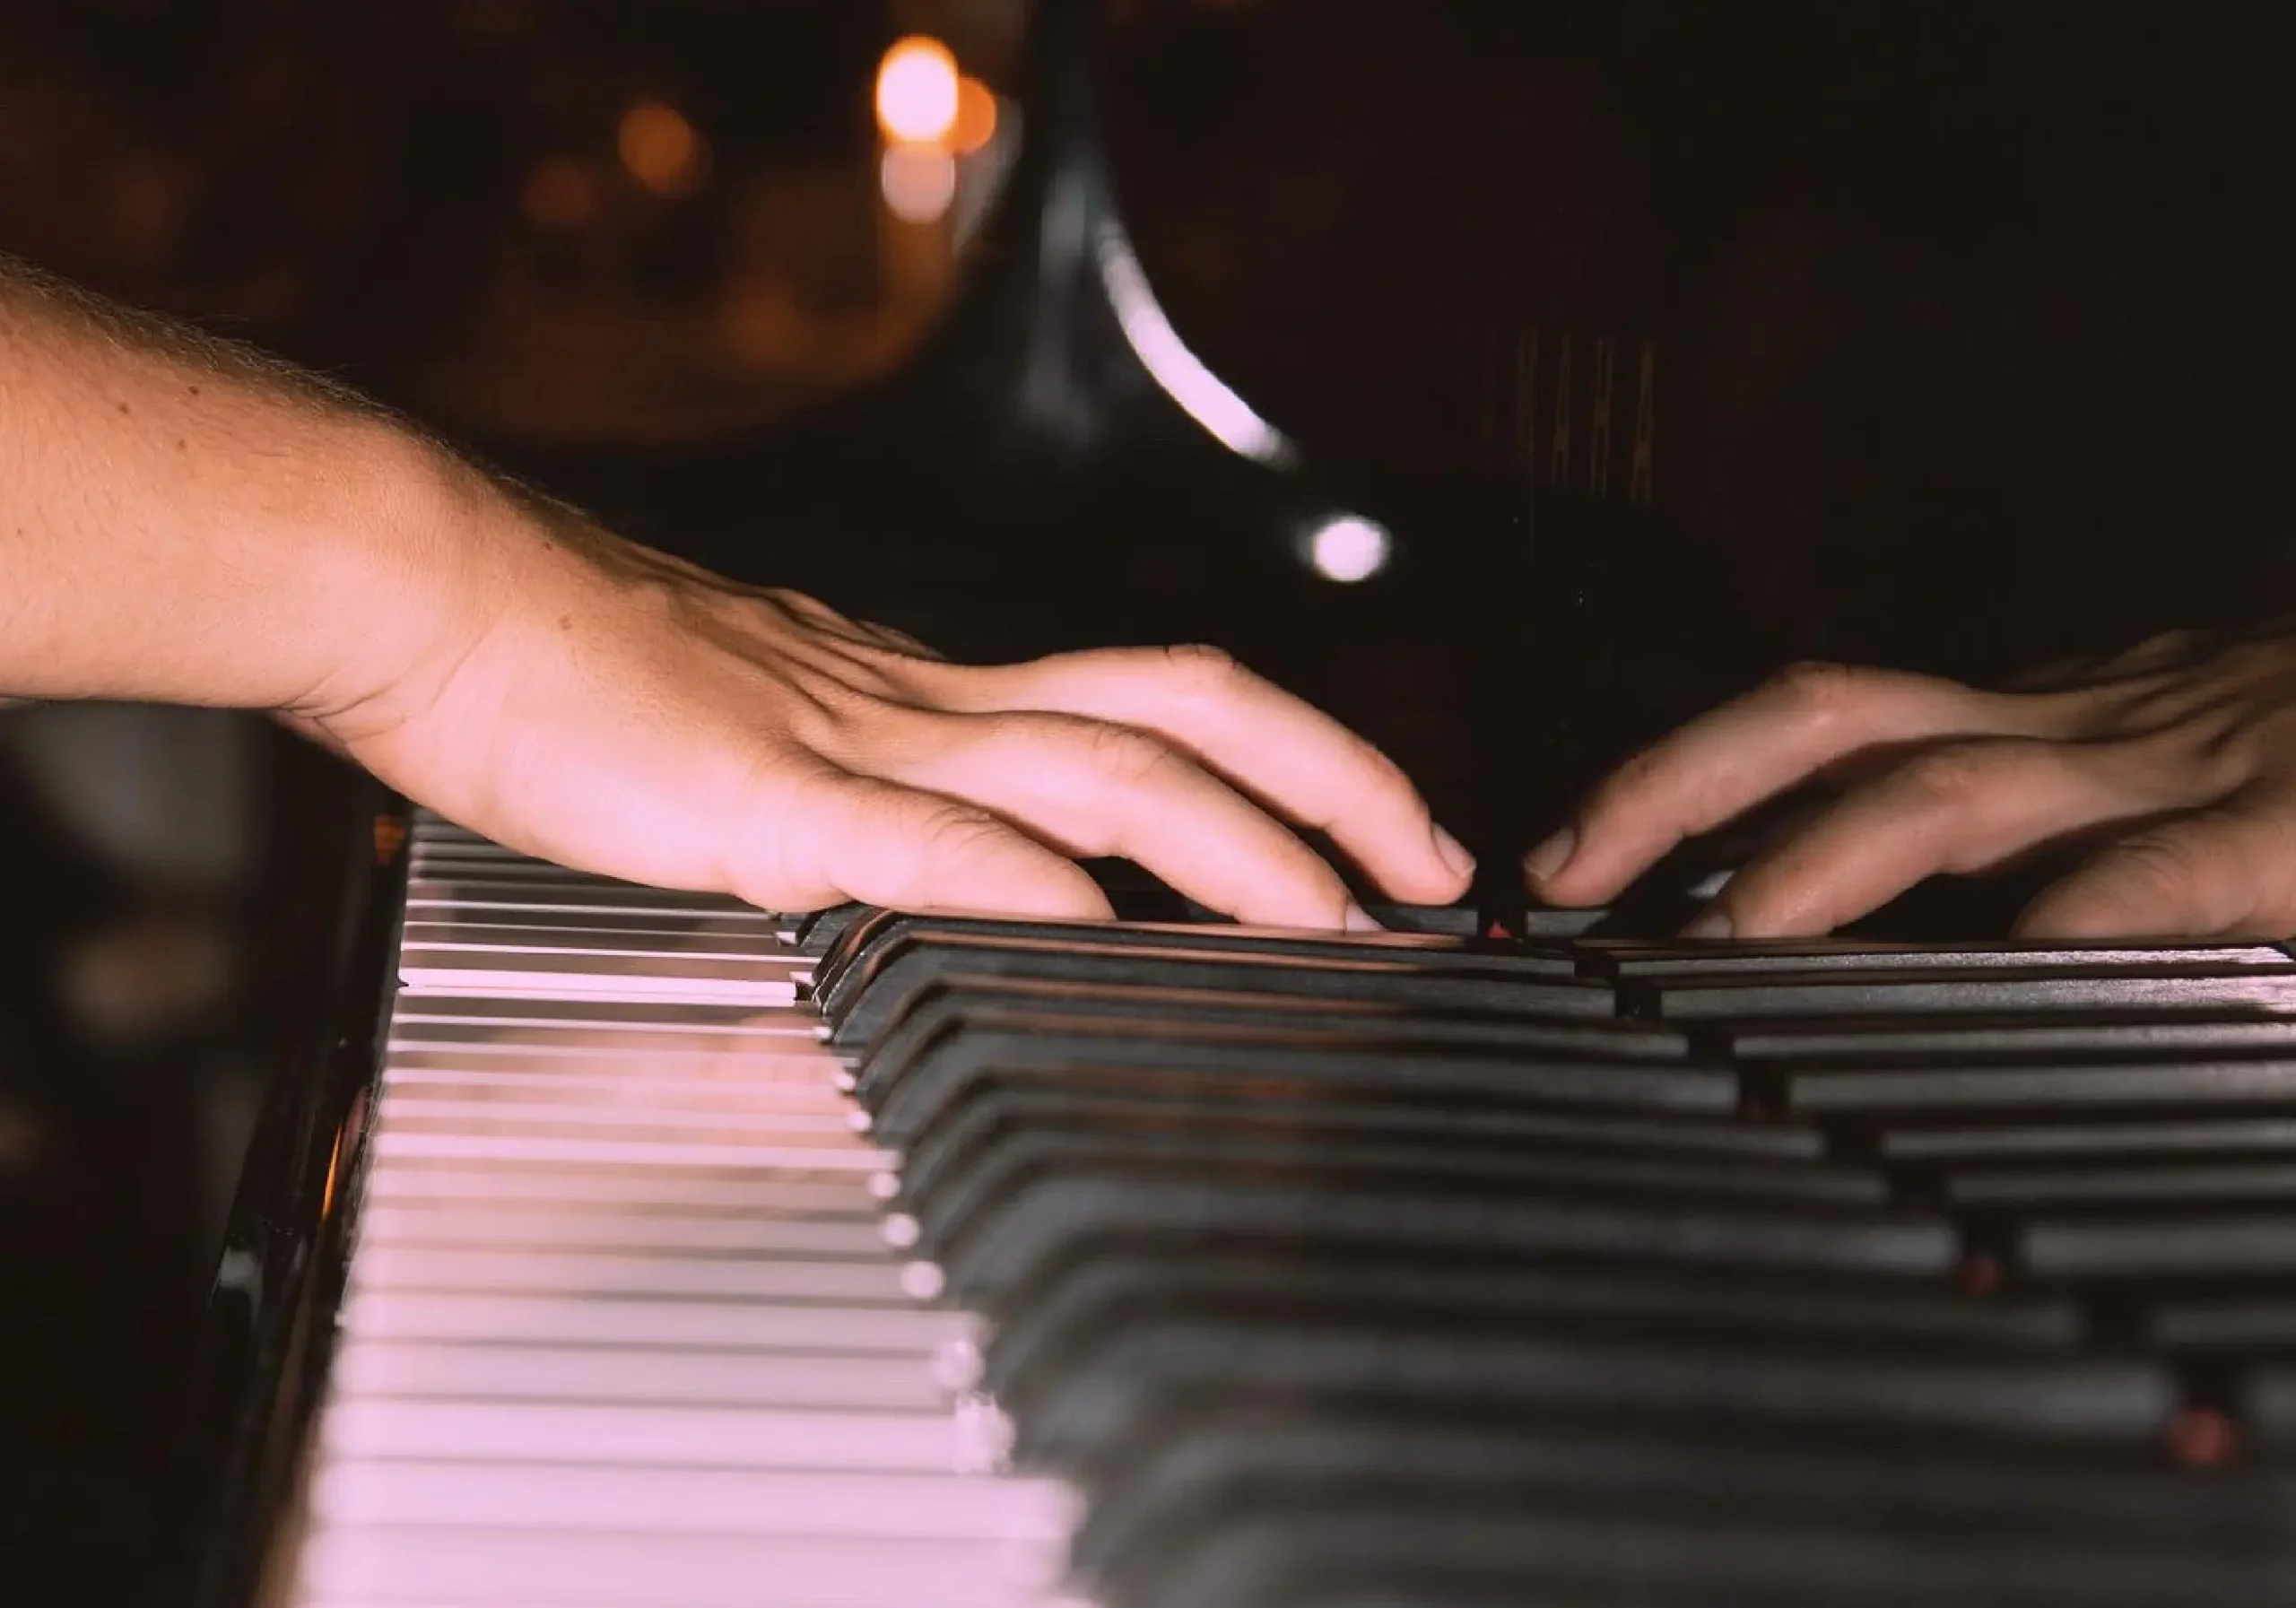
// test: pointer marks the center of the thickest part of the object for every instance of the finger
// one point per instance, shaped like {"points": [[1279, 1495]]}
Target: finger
{"points": [[858, 837], [1099, 789], [2156, 653], [1302, 763], [1961, 807], [2229, 870], [1728, 761]]}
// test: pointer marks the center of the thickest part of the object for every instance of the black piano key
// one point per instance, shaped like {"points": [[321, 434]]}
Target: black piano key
{"points": [[2154, 1246], [2009, 1086], [1585, 1153], [1620, 959], [2268, 1407], [864, 1013], [1440, 921], [1387, 1555], [1948, 1499], [1063, 1314], [2089, 1139], [1893, 1040], [1050, 1218], [885, 934], [2250, 1320], [1163, 1014], [816, 932], [1027, 1139], [1908, 993], [902, 1098], [1555, 922], [1051, 1003], [1091, 1410], [2008, 1188], [956, 1125]]}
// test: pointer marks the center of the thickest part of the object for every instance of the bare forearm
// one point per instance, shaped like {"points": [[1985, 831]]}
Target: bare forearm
{"points": [[180, 520]]}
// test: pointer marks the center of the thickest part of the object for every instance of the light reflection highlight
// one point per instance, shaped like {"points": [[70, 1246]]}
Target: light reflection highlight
{"points": [[1199, 392], [1348, 548]]}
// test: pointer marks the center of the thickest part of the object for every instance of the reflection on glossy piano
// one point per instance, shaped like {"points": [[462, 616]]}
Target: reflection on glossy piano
{"points": [[683, 1256]]}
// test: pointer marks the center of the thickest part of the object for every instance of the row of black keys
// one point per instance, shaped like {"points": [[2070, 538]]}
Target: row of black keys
{"points": [[1428, 1269]]}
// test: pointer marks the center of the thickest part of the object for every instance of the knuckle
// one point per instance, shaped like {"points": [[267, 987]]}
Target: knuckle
{"points": [[1199, 670], [1130, 756], [1962, 776], [1818, 686], [947, 830]]}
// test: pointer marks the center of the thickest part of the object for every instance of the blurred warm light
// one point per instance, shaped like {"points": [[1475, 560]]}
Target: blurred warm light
{"points": [[1349, 548], [559, 194], [663, 151], [919, 182], [1199, 392], [919, 99], [975, 121]]}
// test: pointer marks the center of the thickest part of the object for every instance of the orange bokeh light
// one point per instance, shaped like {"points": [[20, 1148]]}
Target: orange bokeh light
{"points": [[975, 121], [917, 94], [662, 150]]}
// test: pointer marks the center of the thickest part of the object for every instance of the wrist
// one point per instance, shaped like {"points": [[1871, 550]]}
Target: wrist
{"points": [[427, 551]]}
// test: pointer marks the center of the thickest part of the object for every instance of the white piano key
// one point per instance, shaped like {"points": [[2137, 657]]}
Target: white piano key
{"points": [[426, 861], [700, 1018], [907, 1329], [679, 942], [429, 1110], [452, 889], [393, 1566], [874, 1278], [855, 1158], [649, 979], [555, 1080], [783, 1194], [703, 1436], [541, 926], [621, 1329], [752, 1233], [667, 1500], [631, 1374], [758, 1062]]}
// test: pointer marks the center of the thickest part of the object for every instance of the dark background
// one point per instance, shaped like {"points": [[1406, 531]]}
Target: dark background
{"points": [[1955, 334]]}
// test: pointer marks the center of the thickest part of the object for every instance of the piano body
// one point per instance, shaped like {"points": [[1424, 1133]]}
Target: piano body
{"points": [[641, 1250]]}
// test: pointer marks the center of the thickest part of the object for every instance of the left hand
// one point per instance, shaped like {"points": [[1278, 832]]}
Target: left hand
{"points": [[2174, 762]]}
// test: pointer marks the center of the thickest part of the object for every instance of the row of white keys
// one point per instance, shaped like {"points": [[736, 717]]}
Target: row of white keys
{"points": [[623, 1328]]}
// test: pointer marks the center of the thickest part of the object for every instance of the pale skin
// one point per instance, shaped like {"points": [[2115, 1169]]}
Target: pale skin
{"points": [[183, 521], [2166, 774]]}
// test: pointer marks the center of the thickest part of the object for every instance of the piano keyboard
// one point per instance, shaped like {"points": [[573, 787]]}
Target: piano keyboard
{"points": [[706, 1257]]}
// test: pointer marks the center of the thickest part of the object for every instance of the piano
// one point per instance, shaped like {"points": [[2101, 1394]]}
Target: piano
{"points": [[651, 1249], [629, 1249]]}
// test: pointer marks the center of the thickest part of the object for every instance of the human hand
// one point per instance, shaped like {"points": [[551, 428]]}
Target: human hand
{"points": [[624, 712], [2173, 764]]}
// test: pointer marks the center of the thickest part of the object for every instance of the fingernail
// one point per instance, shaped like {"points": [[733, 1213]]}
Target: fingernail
{"points": [[1708, 923], [1550, 856], [1454, 854], [1359, 920]]}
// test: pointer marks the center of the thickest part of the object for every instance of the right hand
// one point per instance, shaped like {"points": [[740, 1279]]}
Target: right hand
{"points": [[623, 712]]}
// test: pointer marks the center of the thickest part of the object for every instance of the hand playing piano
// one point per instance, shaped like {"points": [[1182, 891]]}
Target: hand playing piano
{"points": [[2170, 771], [624, 712], [190, 521]]}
